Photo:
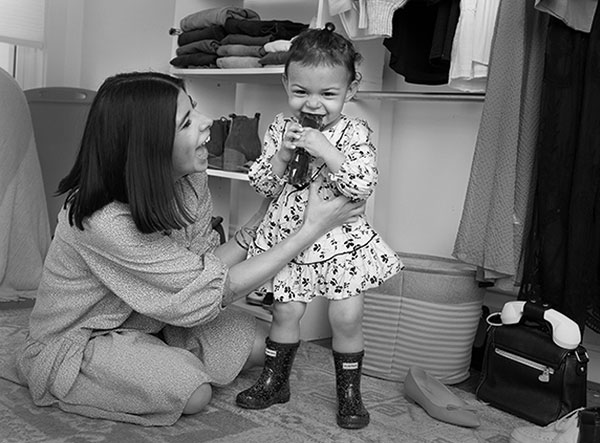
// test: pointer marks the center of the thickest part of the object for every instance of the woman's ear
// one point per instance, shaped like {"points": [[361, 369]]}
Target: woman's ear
{"points": [[352, 90]]}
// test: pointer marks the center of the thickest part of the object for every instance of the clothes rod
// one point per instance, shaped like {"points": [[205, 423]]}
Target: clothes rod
{"points": [[433, 96]]}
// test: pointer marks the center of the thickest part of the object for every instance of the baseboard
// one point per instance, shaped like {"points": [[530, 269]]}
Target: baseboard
{"points": [[591, 340], [17, 304]]}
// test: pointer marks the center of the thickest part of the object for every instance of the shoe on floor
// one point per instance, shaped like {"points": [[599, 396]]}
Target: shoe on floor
{"points": [[437, 400], [256, 298], [563, 430], [268, 301]]}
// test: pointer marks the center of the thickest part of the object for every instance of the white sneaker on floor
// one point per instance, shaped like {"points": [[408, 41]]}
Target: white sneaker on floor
{"points": [[563, 430]]}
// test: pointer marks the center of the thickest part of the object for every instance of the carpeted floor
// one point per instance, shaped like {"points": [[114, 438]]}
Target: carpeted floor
{"points": [[308, 417]]}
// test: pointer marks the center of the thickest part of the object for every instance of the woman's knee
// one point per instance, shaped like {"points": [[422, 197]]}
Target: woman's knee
{"points": [[257, 354], [199, 399]]}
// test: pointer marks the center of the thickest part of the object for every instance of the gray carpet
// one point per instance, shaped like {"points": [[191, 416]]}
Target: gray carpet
{"points": [[308, 417]]}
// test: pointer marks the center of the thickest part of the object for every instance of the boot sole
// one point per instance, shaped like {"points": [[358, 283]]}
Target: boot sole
{"points": [[274, 401], [352, 422]]}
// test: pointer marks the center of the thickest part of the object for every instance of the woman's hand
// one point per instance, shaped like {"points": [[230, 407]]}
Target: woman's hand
{"points": [[258, 216], [323, 215], [320, 217]]}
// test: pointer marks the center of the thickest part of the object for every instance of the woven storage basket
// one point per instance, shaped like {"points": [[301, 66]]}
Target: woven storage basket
{"points": [[426, 316]]}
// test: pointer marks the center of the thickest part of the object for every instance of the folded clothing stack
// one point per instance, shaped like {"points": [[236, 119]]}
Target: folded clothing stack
{"points": [[231, 37]]}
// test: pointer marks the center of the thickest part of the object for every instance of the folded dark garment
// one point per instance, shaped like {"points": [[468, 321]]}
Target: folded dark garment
{"points": [[215, 16], [274, 58], [206, 46], [279, 29], [216, 32], [241, 50], [195, 59], [243, 39], [235, 61]]}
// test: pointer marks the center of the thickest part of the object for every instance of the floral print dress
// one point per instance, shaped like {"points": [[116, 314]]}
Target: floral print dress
{"points": [[348, 259]]}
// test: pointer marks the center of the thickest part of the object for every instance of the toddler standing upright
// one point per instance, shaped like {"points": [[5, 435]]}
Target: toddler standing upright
{"points": [[320, 78]]}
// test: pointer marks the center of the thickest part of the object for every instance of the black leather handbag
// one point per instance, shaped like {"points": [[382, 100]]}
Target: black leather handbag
{"points": [[526, 374]]}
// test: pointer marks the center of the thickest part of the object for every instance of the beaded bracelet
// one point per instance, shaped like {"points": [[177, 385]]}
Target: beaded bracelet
{"points": [[244, 236]]}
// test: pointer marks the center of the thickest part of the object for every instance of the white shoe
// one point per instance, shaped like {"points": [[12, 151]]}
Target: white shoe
{"points": [[563, 430]]}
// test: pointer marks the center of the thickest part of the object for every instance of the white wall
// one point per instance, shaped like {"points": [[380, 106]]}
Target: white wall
{"points": [[425, 161], [89, 40], [425, 148]]}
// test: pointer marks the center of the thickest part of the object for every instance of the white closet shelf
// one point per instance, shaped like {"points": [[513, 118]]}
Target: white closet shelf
{"points": [[269, 75], [431, 96], [227, 174]]}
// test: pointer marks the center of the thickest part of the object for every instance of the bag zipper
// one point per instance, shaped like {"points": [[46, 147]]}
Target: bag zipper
{"points": [[546, 371]]}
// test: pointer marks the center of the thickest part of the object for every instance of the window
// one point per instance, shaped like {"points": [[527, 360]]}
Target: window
{"points": [[7, 57], [22, 40]]}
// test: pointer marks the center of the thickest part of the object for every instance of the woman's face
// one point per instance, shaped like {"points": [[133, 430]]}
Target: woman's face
{"points": [[192, 131]]}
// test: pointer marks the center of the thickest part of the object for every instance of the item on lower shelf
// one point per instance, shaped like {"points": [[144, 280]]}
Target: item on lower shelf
{"points": [[234, 142], [267, 302], [255, 298], [259, 298], [243, 143]]}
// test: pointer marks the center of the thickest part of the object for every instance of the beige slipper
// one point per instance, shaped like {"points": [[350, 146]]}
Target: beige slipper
{"points": [[437, 400]]}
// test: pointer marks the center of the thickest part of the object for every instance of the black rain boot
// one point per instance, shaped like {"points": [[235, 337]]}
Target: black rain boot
{"points": [[351, 411], [273, 384]]}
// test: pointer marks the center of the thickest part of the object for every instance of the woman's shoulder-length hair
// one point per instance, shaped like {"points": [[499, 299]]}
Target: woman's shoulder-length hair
{"points": [[126, 153]]}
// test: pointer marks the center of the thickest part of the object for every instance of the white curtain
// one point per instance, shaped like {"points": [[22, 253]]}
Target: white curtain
{"points": [[22, 22]]}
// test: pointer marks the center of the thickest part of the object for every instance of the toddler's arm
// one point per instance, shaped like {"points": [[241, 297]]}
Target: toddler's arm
{"points": [[266, 174], [357, 175]]}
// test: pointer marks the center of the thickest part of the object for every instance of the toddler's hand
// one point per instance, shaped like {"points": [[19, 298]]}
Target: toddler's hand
{"points": [[314, 142], [290, 140]]}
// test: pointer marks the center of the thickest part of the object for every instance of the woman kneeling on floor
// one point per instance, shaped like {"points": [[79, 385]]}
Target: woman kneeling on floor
{"points": [[130, 321]]}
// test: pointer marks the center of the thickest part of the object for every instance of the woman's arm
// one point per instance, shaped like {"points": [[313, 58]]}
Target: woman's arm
{"points": [[319, 218], [232, 252]]}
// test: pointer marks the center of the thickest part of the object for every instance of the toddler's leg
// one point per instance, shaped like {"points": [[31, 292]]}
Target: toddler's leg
{"points": [[285, 327], [345, 317], [284, 338]]}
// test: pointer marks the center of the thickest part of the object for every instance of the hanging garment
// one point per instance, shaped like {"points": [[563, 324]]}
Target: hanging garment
{"points": [[418, 28], [563, 251], [472, 45], [577, 14], [494, 216]]}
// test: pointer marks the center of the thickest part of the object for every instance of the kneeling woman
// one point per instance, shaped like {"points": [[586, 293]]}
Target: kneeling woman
{"points": [[131, 321]]}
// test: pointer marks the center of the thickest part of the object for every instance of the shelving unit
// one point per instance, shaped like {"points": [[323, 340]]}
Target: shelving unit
{"points": [[220, 92], [231, 175], [270, 75]]}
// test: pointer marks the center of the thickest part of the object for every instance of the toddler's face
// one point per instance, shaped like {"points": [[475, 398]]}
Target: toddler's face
{"points": [[322, 90]]}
